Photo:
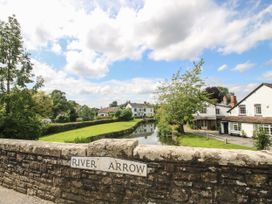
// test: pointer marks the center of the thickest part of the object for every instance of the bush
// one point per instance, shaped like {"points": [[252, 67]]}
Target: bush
{"points": [[56, 128], [62, 118], [261, 140], [125, 115]]}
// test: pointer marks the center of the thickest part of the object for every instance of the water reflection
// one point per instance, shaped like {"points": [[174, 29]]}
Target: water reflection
{"points": [[147, 133]]}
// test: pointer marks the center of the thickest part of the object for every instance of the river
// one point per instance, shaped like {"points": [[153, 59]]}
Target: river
{"points": [[147, 133]]}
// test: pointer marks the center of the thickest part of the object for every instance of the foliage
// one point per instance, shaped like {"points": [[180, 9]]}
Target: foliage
{"points": [[163, 122], [218, 93], [19, 116], [94, 130], [183, 96], [114, 104], [86, 113], [125, 115], [61, 127], [22, 122], [60, 103], [62, 118], [43, 103], [261, 139]]}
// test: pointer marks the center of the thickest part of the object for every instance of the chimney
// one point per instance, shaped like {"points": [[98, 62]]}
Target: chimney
{"points": [[233, 101], [225, 100]]}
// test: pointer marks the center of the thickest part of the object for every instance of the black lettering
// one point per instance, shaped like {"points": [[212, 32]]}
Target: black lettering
{"points": [[88, 163], [125, 167], [82, 161], [74, 162], [93, 164], [140, 169], [132, 169], [118, 166], [111, 166]]}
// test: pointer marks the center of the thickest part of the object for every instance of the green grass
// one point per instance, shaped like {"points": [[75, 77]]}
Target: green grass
{"points": [[83, 133], [200, 141]]}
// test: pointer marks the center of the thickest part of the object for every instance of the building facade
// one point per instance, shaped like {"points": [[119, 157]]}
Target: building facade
{"points": [[209, 118], [251, 113], [141, 109]]}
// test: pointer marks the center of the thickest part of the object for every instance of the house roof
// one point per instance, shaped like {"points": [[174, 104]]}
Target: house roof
{"points": [[263, 84], [108, 110], [140, 105], [249, 119]]}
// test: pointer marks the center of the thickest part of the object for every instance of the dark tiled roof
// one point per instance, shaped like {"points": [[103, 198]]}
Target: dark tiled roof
{"points": [[108, 110], [249, 119], [268, 84]]}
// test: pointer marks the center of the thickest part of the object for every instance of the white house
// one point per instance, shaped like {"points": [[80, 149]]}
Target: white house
{"points": [[210, 117], [251, 113], [141, 109]]}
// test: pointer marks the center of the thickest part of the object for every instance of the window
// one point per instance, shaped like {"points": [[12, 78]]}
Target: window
{"points": [[258, 109], [242, 109], [266, 128], [217, 111], [135, 109], [144, 110], [204, 110], [236, 126]]}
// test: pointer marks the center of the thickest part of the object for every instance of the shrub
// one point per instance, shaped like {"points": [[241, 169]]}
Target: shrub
{"points": [[62, 118], [243, 133], [55, 128], [261, 140], [125, 115]]}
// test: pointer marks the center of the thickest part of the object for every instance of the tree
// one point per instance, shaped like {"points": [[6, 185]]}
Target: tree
{"points": [[113, 104], [44, 104], [183, 96], [218, 93], [60, 103], [124, 114], [261, 139], [18, 116], [86, 113]]}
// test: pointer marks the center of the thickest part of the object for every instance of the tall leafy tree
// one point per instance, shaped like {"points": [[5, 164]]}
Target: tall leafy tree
{"points": [[183, 96], [60, 103], [113, 104], [18, 117], [86, 113]]}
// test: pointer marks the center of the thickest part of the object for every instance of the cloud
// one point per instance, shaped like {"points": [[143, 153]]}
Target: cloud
{"points": [[243, 67], [222, 68], [96, 94], [56, 48], [268, 75], [104, 32], [268, 62]]}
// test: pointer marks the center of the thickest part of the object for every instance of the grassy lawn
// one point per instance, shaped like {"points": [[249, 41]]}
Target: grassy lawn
{"points": [[71, 135], [199, 141]]}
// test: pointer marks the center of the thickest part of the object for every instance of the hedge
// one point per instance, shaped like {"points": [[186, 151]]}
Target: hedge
{"points": [[61, 127]]}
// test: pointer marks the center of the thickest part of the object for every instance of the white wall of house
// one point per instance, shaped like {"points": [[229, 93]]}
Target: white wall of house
{"points": [[102, 114], [143, 111], [262, 96], [212, 113]]}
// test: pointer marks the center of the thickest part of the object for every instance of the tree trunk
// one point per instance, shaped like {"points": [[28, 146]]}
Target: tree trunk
{"points": [[181, 129], [8, 91]]}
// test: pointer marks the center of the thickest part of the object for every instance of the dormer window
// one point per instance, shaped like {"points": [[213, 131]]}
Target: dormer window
{"points": [[242, 109], [217, 111], [258, 109]]}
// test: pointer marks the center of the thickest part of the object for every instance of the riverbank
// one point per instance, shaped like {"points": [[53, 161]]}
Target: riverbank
{"points": [[88, 134]]}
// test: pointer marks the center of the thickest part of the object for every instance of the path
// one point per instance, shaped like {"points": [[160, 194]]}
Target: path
{"points": [[9, 196], [248, 142]]}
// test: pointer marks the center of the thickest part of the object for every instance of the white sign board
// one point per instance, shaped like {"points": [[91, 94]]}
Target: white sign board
{"points": [[110, 165]]}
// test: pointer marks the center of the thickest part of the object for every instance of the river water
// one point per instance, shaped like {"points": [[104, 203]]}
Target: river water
{"points": [[147, 133]]}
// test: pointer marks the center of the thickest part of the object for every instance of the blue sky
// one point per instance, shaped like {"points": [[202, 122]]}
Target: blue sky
{"points": [[100, 51]]}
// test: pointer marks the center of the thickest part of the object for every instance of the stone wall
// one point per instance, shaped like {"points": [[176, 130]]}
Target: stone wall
{"points": [[175, 174]]}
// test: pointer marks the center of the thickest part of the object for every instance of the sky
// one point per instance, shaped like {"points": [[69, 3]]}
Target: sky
{"points": [[98, 51]]}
